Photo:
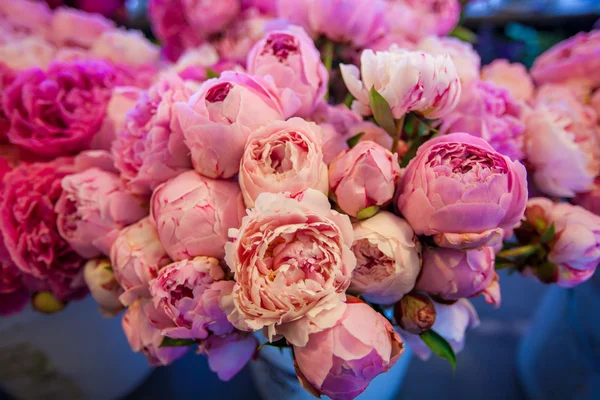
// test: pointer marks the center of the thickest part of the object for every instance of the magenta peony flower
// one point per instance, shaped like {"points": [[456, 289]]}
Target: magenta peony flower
{"points": [[363, 177], [227, 355], [452, 274], [58, 112], [144, 338], [489, 112], [125, 47], [291, 59], [466, 60], [388, 258], [408, 80], [28, 223], [221, 115], [345, 21], [292, 263], [189, 292], [104, 288], [510, 76], [136, 256], [193, 214], [92, 209], [150, 150], [283, 157], [108, 8], [71, 27], [590, 200], [14, 296], [264, 6], [462, 192], [7, 76], [575, 58], [341, 361]]}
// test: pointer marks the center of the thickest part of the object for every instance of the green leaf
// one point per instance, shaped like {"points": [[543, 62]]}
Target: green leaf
{"points": [[109, 268], [354, 139], [382, 112], [549, 234], [348, 100], [522, 251], [439, 346], [368, 212], [502, 265], [412, 151], [464, 34], [211, 73], [170, 342]]}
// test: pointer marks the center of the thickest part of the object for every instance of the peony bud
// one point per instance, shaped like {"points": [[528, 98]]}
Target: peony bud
{"points": [[415, 313], [100, 279], [46, 303]]}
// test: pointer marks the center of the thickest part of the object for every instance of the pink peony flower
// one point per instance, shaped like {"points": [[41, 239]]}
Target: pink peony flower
{"points": [[122, 100], [92, 209], [510, 76], [408, 80], [104, 288], [489, 112], [221, 115], [71, 27], [227, 355], [451, 322], [188, 292], [345, 21], [193, 214], [136, 256], [292, 263], [58, 112], [282, 157], [341, 361], [462, 192], [125, 47], [29, 52], [363, 177], [291, 59], [388, 258], [590, 200], [28, 223], [575, 249], [144, 338], [575, 58], [151, 150], [239, 38], [466, 60], [453, 274], [22, 18], [340, 117], [333, 143]]}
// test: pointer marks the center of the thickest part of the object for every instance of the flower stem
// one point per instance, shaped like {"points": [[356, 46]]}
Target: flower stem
{"points": [[328, 60], [397, 134], [523, 251]]}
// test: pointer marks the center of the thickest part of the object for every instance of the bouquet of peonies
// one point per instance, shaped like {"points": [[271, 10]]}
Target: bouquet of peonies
{"points": [[243, 184]]}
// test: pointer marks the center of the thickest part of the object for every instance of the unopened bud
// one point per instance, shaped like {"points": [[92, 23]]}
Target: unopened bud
{"points": [[100, 279], [415, 313]]}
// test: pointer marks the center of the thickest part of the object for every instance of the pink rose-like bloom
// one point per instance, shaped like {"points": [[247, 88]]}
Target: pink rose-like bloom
{"points": [[575, 58], [462, 192], [227, 355], [71, 27], [453, 274], [151, 150], [590, 200], [29, 52], [283, 157], [104, 288], [292, 263], [576, 245], [407, 80], [451, 322], [145, 338], [221, 115], [489, 112], [188, 292], [125, 47], [122, 100], [58, 112], [136, 256], [92, 209], [20, 18], [342, 360], [29, 226], [291, 59], [193, 213], [388, 258], [364, 176], [466, 60], [345, 21], [510, 76]]}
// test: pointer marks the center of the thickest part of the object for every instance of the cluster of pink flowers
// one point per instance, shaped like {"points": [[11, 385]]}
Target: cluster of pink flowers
{"points": [[220, 190]]}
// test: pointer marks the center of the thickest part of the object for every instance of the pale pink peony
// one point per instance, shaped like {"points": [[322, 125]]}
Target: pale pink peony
{"points": [[221, 115], [71, 27], [104, 288], [462, 192], [151, 149], [341, 361], [122, 100], [283, 157], [510, 76], [363, 177], [188, 292], [136, 256], [590, 200], [408, 80], [193, 213], [292, 264], [466, 60], [125, 47], [227, 355], [29, 52], [92, 209], [388, 258]]}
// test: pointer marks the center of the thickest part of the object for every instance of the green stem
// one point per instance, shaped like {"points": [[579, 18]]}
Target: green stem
{"points": [[398, 133], [328, 60], [523, 251]]}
